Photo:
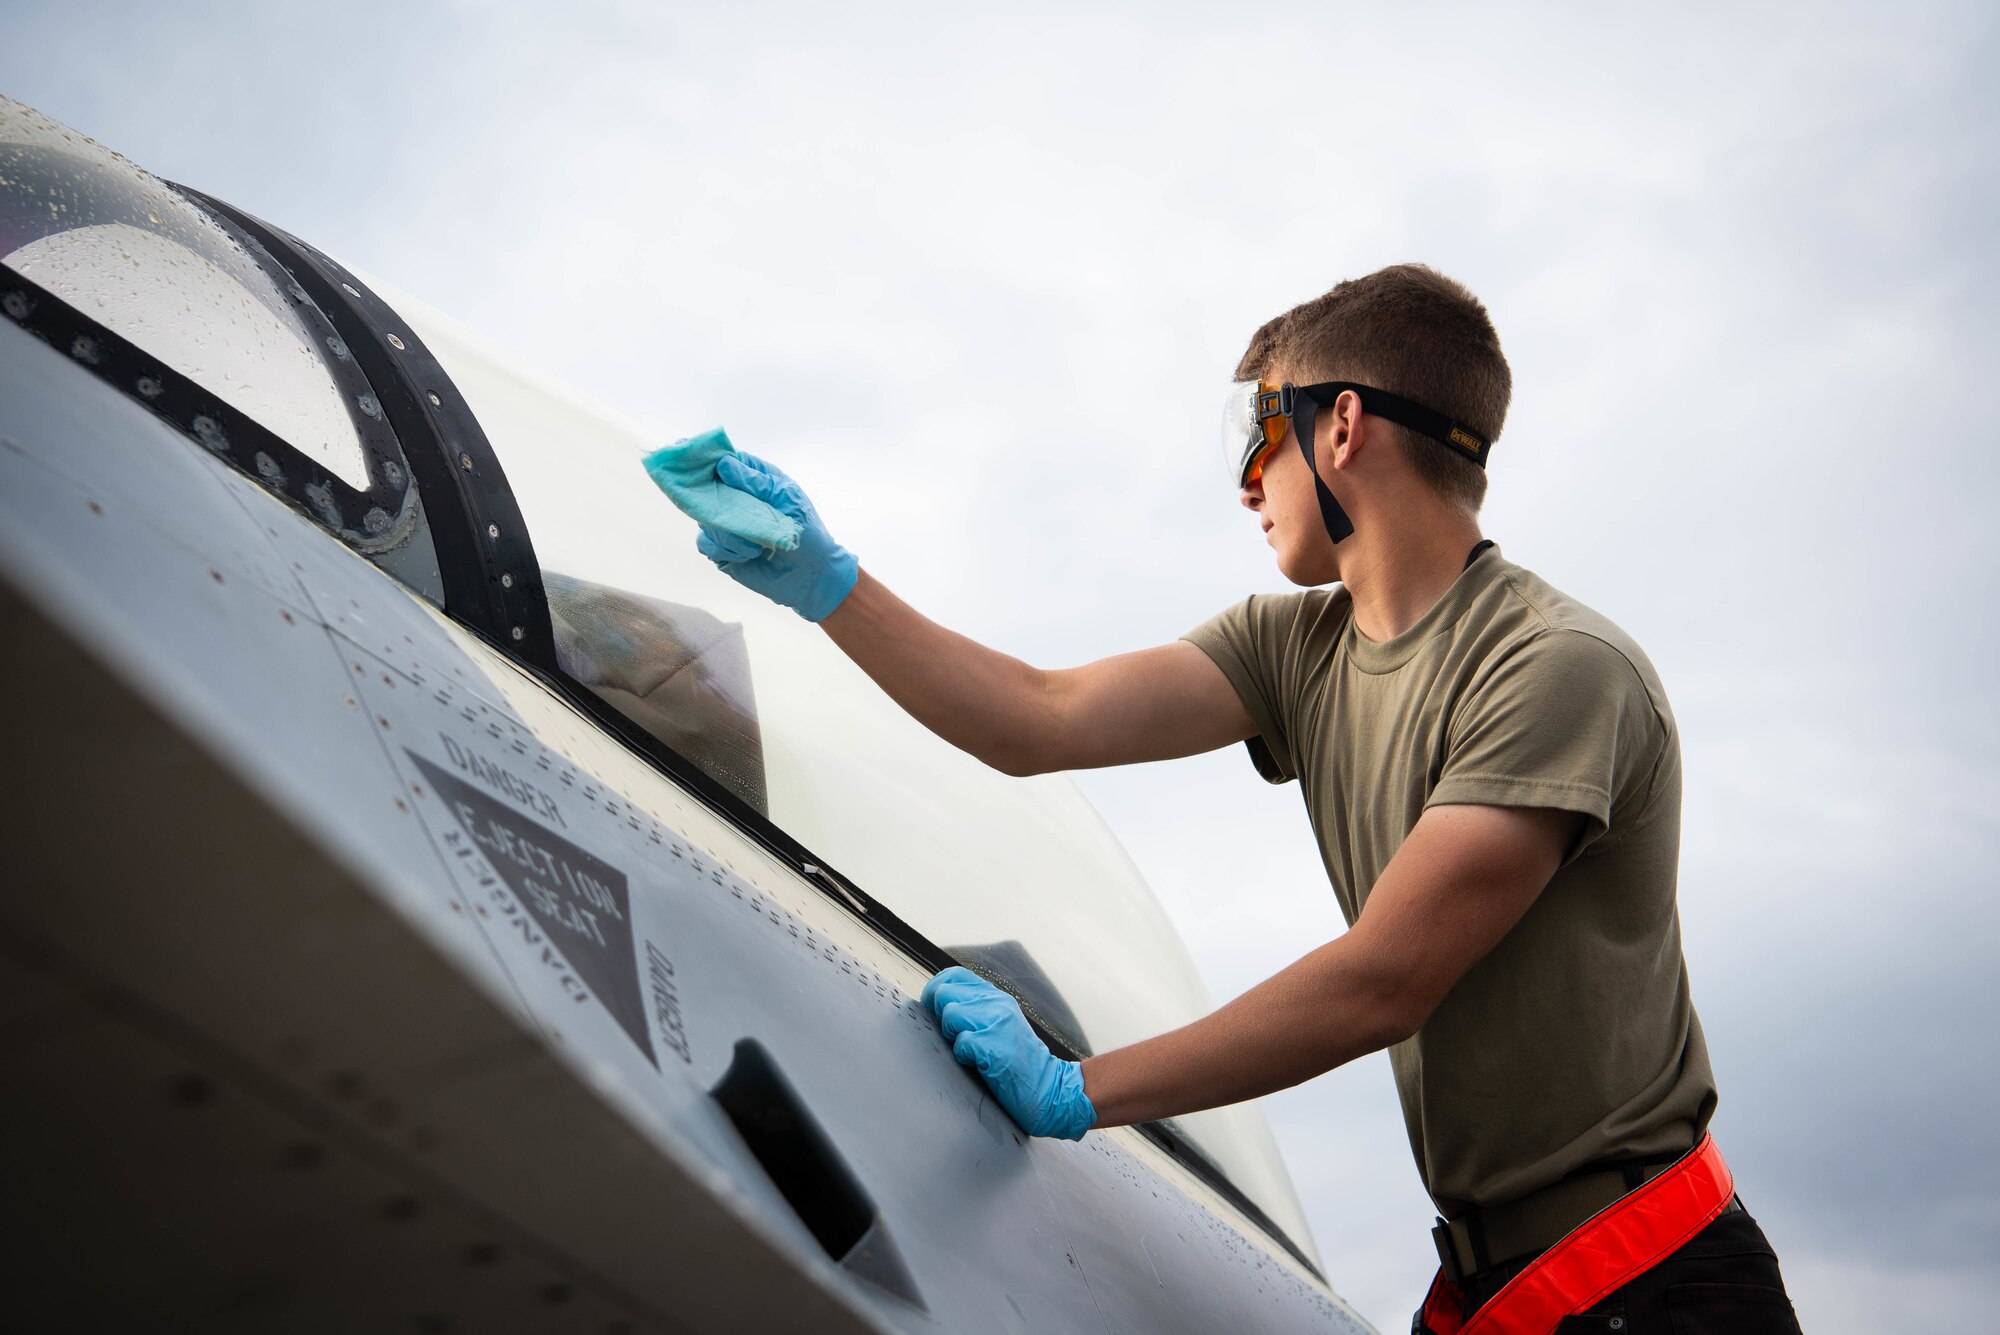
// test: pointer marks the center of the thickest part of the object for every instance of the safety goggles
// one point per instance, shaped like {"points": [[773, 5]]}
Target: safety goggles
{"points": [[1258, 418], [1253, 425]]}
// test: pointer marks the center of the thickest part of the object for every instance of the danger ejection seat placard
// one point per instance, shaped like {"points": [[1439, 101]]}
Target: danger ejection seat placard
{"points": [[581, 901]]}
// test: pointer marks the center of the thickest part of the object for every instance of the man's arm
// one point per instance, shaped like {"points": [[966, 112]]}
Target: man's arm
{"points": [[1152, 705], [1155, 704], [1459, 883]]}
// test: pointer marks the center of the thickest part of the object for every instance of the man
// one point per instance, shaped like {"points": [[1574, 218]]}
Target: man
{"points": [[1493, 774]]}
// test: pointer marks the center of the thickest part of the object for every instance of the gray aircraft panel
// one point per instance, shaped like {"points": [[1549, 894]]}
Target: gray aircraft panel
{"points": [[165, 491], [262, 677], [763, 959], [205, 631], [295, 992], [369, 876], [175, 1160], [1135, 1257]]}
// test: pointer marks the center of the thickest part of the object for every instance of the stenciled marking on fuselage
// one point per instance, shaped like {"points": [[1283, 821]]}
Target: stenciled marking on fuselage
{"points": [[502, 780], [667, 1001], [580, 900], [557, 891]]}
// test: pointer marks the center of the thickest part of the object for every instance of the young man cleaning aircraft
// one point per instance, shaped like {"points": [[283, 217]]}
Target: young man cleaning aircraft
{"points": [[1493, 774]]}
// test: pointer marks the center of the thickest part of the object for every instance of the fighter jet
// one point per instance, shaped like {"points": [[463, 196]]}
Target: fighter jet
{"points": [[437, 900]]}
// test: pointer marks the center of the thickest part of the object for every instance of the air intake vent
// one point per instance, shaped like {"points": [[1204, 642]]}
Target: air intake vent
{"points": [[786, 1139]]}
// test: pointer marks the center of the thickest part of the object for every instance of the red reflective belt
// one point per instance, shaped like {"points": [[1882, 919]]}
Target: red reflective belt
{"points": [[1602, 1254]]}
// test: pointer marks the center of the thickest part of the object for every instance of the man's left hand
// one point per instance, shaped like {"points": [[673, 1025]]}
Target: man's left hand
{"points": [[987, 1031]]}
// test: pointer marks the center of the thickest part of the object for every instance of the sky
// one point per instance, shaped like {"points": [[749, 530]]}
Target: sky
{"points": [[978, 279]]}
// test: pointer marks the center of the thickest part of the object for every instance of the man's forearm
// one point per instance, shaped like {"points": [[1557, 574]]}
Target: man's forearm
{"points": [[981, 701], [1460, 882], [1322, 1012]]}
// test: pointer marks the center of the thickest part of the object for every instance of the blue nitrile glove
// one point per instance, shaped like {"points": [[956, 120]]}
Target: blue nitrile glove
{"points": [[1041, 1092], [813, 578]]}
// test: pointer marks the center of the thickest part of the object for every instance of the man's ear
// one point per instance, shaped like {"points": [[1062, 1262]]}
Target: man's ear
{"points": [[1344, 429]]}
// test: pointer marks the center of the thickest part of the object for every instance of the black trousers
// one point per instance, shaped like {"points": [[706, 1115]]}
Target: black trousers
{"points": [[1725, 1281]]}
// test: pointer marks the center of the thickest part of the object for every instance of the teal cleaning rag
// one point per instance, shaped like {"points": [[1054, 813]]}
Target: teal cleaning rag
{"points": [[685, 471]]}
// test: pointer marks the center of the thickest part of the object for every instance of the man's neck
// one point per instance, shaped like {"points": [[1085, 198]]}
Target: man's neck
{"points": [[1397, 572]]}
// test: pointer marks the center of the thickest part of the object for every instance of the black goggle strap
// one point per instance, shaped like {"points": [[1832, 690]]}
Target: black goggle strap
{"points": [[1457, 436], [1303, 411]]}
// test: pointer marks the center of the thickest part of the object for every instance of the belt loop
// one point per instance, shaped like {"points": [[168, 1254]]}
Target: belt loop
{"points": [[1475, 1233], [1447, 1254]]}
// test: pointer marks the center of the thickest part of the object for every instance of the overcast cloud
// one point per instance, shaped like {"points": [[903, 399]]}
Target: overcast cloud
{"points": [[978, 281]]}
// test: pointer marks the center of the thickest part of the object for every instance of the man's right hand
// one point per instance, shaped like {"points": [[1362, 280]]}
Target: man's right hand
{"points": [[812, 579]]}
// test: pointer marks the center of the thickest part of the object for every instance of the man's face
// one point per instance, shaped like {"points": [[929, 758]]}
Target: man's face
{"points": [[1284, 502]]}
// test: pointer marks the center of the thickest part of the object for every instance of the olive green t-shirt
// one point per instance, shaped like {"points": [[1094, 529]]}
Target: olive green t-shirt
{"points": [[1575, 1039]]}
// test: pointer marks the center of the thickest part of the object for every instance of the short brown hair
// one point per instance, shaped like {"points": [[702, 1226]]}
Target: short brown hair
{"points": [[1414, 332]]}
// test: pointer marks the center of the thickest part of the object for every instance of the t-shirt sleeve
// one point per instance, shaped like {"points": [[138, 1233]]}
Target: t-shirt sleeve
{"points": [[1248, 642], [1564, 721]]}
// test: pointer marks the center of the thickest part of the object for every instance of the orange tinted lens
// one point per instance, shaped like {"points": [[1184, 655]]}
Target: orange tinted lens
{"points": [[1257, 464], [1274, 427], [1268, 422]]}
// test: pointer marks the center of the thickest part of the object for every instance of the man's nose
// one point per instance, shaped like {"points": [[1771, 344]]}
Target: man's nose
{"points": [[1252, 495]]}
